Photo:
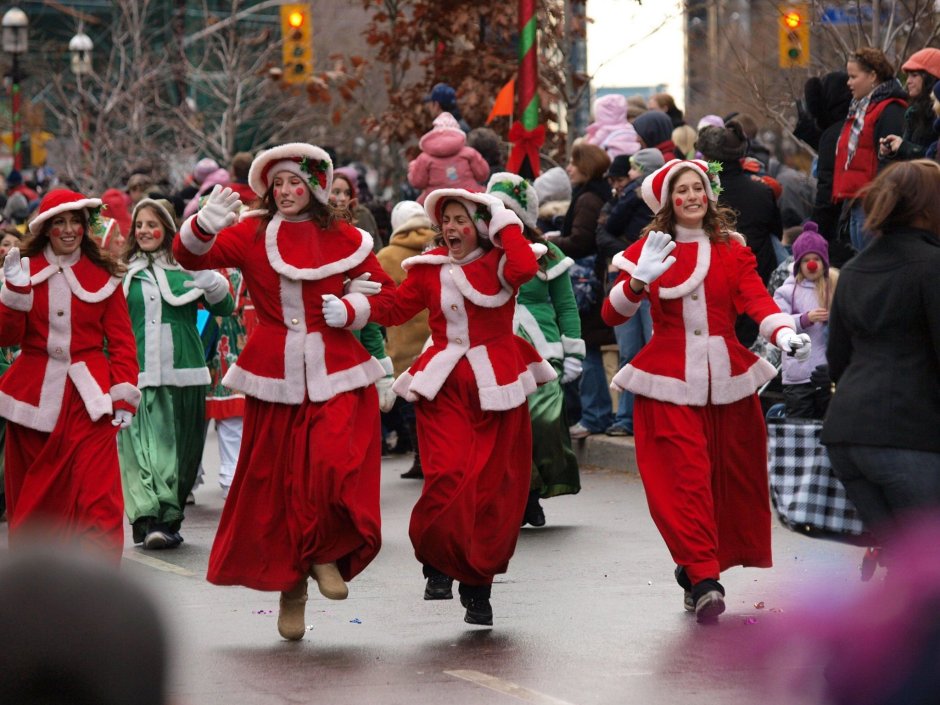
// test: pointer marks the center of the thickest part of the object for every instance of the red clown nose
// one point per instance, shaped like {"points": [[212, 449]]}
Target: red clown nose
{"points": [[812, 266]]}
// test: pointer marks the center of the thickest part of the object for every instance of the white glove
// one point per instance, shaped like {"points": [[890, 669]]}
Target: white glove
{"points": [[207, 280], [122, 418], [362, 285], [653, 257], [386, 395], [16, 270], [571, 369], [334, 311], [795, 345], [220, 211]]}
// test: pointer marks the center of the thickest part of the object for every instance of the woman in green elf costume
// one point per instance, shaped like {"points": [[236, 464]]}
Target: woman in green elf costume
{"points": [[161, 450], [547, 316]]}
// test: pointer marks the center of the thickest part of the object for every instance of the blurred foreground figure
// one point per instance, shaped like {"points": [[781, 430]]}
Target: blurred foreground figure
{"points": [[77, 632]]}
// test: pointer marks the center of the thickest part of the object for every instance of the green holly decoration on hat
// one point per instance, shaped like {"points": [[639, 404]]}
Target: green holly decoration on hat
{"points": [[316, 176], [515, 190], [714, 169]]}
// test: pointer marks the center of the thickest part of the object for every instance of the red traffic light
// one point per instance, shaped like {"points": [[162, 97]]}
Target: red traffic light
{"points": [[296, 19], [792, 20]]}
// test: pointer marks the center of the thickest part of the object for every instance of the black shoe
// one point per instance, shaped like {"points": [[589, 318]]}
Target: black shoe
{"points": [[688, 604], [709, 599], [414, 472], [534, 514], [439, 588], [479, 610]]}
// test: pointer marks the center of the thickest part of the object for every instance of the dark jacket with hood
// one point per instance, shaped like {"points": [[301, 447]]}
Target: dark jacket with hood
{"points": [[655, 129], [827, 100], [625, 219]]}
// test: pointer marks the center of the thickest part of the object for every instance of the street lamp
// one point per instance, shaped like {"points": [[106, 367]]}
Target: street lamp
{"points": [[80, 47], [15, 41]]}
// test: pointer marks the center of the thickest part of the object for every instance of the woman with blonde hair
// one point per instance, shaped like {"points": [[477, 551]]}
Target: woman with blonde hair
{"points": [[883, 352]]}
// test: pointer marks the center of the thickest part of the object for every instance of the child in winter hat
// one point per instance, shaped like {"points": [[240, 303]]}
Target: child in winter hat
{"points": [[446, 162], [610, 129], [553, 188], [807, 295]]}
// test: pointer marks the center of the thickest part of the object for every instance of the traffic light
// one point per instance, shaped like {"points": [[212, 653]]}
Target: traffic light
{"points": [[793, 36], [297, 37]]}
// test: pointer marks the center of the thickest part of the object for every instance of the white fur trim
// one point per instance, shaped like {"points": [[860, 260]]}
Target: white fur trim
{"points": [[459, 194], [774, 321], [360, 304], [524, 320], [500, 397], [410, 262], [478, 297], [15, 300], [91, 297], [191, 296], [254, 213], [529, 215], [312, 273], [290, 151], [623, 264], [97, 401], [126, 392], [669, 170], [737, 237], [150, 374], [502, 218], [573, 347], [556, 270], [36, 223], [702, 262], [191, 241], [622, 305], [321, 385], [159, 208]]}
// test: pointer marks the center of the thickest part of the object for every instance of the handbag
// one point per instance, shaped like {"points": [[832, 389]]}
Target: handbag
{"points": [[806, 495]]}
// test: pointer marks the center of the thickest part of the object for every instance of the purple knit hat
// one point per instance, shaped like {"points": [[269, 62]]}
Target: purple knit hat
{"points": [[810, 241]]}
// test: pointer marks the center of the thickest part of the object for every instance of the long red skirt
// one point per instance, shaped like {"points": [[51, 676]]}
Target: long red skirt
{"points": [[704, 469], [477, 467], [66, 485], [306, 491]]}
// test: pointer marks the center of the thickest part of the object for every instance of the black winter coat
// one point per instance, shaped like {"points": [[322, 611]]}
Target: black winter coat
{"points": [[757, 214], [625, 219], [884, 345]]}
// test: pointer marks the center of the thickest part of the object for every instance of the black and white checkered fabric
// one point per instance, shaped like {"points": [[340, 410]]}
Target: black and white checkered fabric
{"points": [[804, 491]]}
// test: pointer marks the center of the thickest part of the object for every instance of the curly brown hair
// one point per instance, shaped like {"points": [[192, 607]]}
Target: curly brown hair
{"points": [[35, 244], [718, 222], [875, 61]]}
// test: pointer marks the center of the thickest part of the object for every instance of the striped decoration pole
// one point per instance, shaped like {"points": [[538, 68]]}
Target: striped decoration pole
{"points": [[526, 135]]}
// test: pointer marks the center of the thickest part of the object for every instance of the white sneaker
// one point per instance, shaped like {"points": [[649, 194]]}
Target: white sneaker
{"points": [[578, 431]]}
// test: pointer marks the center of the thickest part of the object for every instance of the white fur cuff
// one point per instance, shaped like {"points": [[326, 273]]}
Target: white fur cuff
{"points": [[361, 307], [573, 347], [386, 363], [501, 219], [14, 300], [193, 242], [769, 326], [125, 392], [622, 305]]}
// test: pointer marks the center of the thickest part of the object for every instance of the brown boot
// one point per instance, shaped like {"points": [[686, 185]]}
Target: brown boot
{"points": [[330, 582], [290, 618]]}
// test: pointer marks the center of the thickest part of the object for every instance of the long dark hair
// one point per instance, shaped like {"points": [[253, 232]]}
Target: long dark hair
{"points": [[535, 235], [35, 244], [132, 247], [718, 221], [922, 116]]}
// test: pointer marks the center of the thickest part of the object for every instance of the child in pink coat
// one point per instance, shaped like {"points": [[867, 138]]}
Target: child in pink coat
{"points": [[446, 161]]}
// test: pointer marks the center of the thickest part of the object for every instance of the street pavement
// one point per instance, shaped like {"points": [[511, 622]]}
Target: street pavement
{"points": [[587, 614]]}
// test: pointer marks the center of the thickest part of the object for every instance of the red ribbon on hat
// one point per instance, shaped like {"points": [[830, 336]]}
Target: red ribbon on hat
{"points": [[525, 143]]}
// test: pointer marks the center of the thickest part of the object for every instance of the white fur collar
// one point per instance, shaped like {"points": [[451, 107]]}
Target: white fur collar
{"points": [[689, 234], [64, 264], [556, 270], [703, 257], [312, 273]]}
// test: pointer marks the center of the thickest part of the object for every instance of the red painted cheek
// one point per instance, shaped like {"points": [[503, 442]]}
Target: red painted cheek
{"points": [[156, 234], [466, 231], [705, 199], [299, 191], [79, 230], [678, 202], [56, 232]]}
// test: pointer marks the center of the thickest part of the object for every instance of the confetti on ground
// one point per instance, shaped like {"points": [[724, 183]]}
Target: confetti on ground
{"points": [[751, 620], [309, 627], [262, 612], [759, 606], [355, 621], [776, 609]]}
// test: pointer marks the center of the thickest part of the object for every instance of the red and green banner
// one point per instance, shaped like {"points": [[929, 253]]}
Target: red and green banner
{"points": [[527, 135]]}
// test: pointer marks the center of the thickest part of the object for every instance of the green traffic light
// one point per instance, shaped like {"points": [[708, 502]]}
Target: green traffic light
{"points": [[793, 53]]}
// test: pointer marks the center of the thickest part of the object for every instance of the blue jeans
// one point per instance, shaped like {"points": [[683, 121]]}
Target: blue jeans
{"points": [[887, 484], [859, 236], [632, 336], [596, 405]]}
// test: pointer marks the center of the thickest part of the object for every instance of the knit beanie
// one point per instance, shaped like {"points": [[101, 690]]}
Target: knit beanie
{"points": [[653, 127], [553, 185], [810, 242], [516, 194], [646, 161], [722, 144], [409, 215], [713, 120], [203, 168]]}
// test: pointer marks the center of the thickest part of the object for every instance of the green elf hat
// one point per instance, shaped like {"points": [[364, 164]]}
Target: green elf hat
{"points": [[307, 161], [517, 194]]}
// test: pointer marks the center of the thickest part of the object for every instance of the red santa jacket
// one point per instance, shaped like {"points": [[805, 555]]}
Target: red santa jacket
{"points": [[61, 322], [471, 304], [694, 356], [288, 266]]}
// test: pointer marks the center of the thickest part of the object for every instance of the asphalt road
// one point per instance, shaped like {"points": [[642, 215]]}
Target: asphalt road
{"points": [[588, 614]]}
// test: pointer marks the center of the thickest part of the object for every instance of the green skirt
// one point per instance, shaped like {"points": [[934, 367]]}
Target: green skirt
{"points": [[160, 454], [554, 465]]}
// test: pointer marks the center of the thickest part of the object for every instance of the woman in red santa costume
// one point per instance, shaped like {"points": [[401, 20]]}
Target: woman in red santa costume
{"points": [[64, 398], [700, 436], [305, 498], [469, 388]]}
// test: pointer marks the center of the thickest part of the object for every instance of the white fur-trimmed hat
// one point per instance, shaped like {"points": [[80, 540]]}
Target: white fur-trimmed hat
{"points": [[517, 194], [307, 161], [656, 186], [480, 206], [60, 201]]}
